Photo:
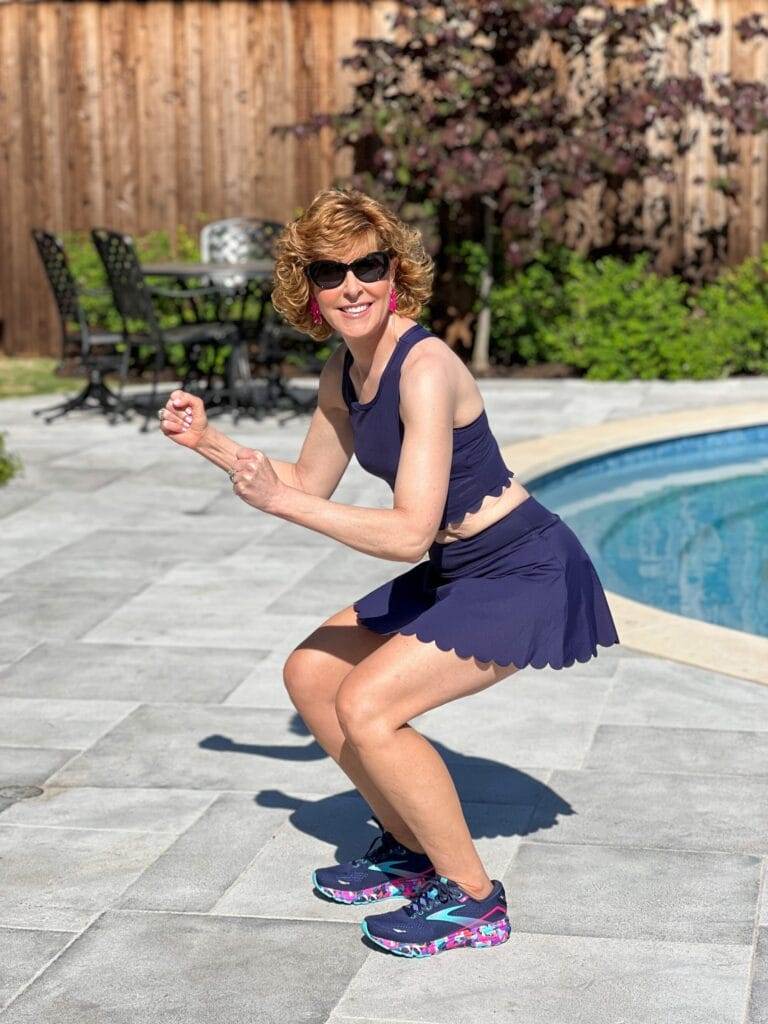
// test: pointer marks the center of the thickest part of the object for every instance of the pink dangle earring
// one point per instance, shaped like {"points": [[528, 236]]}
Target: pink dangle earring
{"points": [[393, 301], [314, 309]]}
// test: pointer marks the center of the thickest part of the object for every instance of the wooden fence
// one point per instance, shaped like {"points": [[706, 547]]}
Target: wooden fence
{"points": [[141, 116], [146, 115]]}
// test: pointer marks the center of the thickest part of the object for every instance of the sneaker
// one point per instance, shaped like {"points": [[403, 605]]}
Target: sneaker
{"points": [[444, 916], [386, 869]]}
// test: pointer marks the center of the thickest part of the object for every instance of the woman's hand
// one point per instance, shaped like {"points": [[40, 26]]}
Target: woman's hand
{"points": [[183, 419], [254, 479]]}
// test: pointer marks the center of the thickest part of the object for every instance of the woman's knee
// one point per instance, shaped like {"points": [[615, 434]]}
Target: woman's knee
{"points": [[316, 668], [312, 675], [360, 715]]}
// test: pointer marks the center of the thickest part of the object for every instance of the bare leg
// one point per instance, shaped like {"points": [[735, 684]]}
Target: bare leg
{"points": [[312, 674], [396, 682]]}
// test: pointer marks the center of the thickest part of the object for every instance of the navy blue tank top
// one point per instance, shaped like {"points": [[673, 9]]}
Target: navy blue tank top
{"points": [[477, 468]]}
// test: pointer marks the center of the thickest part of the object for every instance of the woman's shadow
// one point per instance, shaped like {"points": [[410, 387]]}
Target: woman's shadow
{"points": [[497, 800]]}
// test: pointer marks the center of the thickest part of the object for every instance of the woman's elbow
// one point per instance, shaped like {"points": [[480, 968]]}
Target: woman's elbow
{"points": [[420, 544]]}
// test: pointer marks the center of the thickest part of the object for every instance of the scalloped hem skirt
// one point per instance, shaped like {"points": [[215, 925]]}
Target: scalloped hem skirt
{"points": [[522, 591]]}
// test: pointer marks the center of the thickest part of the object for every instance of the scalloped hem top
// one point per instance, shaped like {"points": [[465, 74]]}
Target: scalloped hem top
{"points": [[477, 467]]}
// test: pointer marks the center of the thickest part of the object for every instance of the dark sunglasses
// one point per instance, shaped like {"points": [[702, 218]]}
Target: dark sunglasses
{"points": [[331, 273]]}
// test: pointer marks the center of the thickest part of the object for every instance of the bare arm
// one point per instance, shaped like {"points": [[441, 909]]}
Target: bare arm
{"points": [[404, 532], [220, 450], [327, 447]]}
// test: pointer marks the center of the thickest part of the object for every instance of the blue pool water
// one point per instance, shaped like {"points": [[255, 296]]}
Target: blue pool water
{"points": [[679, 524]]}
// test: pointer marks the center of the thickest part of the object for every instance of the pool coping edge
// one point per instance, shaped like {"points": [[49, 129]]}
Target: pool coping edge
{"points": [[643, 627]]}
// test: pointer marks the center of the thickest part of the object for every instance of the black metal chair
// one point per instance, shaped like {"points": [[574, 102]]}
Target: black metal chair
{"points": [[96, 351], [134, 301], [268, 338]]}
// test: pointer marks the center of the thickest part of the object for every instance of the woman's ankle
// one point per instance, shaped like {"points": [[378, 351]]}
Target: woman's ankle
{"points": [[409, 842], [477, 890]]}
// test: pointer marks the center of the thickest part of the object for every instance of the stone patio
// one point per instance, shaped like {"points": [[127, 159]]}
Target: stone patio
{"points": [[162, 805]]}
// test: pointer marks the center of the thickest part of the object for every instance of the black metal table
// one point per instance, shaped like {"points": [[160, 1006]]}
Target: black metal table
{"points": [[246, 274]]}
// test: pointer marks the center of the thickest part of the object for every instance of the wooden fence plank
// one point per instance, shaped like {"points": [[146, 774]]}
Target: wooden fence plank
{"points": [[147, 115]]}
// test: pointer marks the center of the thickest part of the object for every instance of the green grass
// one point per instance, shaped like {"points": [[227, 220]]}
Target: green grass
{"points": [[20, 376]]}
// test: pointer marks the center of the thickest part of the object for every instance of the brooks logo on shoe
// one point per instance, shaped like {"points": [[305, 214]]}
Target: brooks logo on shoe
{"points": [[446, 914], [388, 866]]}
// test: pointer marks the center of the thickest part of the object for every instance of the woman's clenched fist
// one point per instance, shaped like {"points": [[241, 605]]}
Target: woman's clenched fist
{"points": [[183, 418]]}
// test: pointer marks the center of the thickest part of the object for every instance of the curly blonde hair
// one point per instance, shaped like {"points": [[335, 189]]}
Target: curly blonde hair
{"points": [[335, 219]]}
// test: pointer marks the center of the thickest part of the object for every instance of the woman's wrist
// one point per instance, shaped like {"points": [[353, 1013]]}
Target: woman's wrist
{"points": [[217, 448]]}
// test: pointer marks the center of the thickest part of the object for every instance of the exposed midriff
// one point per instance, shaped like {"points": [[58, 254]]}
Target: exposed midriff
{"points": [[493, 508]]}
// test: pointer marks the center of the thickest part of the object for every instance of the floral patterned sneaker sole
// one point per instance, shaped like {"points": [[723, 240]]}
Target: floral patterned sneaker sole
{"points": [[477, 937], [407, 888]]}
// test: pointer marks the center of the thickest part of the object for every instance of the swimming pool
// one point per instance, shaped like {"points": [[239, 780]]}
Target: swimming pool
{"points": [[679, 524]]}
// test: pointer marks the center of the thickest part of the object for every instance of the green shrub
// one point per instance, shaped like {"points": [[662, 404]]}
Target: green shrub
{"points": [[10, 464], [618, 320], [623, 321], [523, 308], [731, 315]]}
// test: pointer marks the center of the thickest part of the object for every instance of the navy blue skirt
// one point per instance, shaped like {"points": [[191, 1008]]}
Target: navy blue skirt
{"points": [[522, 591]]}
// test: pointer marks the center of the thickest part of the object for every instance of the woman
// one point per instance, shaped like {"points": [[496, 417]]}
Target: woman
{"points": [[506, 583]]}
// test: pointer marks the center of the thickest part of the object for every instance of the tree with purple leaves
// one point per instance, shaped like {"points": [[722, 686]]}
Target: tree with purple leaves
{"points": [[554, 117]]}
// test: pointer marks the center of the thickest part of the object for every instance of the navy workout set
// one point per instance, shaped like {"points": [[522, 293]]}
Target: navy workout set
{"points": [[521, 591]]}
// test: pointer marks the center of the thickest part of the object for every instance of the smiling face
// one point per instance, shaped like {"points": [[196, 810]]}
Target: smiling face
{"points": [[357, 309]]}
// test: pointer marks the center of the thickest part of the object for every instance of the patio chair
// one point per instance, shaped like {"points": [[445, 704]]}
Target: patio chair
{"points": [[95, 351], [232, 240], [134, 300]]}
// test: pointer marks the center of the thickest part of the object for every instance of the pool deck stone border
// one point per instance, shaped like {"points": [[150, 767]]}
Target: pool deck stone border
{"points": [[164, 871], [643, 627]]}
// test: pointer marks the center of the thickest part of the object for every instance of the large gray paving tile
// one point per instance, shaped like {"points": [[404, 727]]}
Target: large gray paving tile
{"points": [[58, 878], [184, 470], [263, 687], [335, 1019], [27, 766], [129, 672], [614, 892], [13, 648], [16, 557], [758, 997], [57, 724], [654, 692], [48, 524], [167, 968], [278, 882], [194, 872], [24, 952], [556, 979], [204, 616], [72, 572], [130, 491], [656, 810], [143, 810], [256, 565], [529, 717], [204, 747], [156, 545], [109, 456], [307, 596], [491, 782], [64, 614], [668, 749], [54, 475], [15, 496]]}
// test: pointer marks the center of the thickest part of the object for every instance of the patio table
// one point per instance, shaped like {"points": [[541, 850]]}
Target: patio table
{"points": [[253, 269], [256, 273]]}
